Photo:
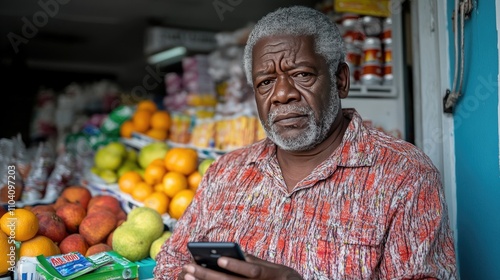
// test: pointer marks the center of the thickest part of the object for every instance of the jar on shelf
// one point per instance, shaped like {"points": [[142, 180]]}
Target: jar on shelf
{"points": [[372, 50], [371, 25], [371, 73], [388, 75], [353, 60], [387, 31]]}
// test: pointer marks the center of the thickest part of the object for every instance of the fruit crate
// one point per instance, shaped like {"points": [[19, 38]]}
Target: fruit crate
{"points": [[98, 187]]}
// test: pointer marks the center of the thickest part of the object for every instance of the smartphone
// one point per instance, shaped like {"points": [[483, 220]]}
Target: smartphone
{"points": [[206, 254]]}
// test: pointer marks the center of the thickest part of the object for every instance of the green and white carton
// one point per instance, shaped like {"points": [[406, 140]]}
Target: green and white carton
{"points": [[106, 266]]}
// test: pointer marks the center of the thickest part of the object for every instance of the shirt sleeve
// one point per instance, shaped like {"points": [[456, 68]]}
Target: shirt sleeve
{"points": [[419, 243], [174, 254]]}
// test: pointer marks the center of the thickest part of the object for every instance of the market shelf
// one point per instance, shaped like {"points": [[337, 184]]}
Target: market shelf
{"points": [[380, 91], [138, 141], [202, 152]]}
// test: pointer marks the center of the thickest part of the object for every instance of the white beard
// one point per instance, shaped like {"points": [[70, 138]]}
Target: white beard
{"points": [[316, 131]]}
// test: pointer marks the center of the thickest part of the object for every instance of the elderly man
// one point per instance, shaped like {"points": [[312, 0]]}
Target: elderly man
{"points": [[323, 196]]}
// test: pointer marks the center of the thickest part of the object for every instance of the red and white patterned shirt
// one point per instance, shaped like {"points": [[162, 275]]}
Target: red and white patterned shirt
{"points": [[374, 209]]}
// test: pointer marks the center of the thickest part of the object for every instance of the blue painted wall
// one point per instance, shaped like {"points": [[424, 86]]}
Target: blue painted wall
{"points": [[476, 146]]}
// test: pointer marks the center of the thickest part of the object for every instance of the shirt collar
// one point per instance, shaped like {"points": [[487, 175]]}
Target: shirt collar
{"points": [[355, 150]]}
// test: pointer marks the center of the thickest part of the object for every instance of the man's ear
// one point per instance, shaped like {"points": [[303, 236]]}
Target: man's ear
{"points": [[343, 79]]}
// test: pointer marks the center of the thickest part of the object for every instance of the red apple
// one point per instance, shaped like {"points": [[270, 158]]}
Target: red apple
{"points": [[77, 194], [51, 226], [72, 243], [42, 209], [107, 201], [72, 215], [96, 227]]}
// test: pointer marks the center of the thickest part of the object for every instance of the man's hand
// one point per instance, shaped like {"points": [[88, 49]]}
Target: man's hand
{"points": [[253, 268]]}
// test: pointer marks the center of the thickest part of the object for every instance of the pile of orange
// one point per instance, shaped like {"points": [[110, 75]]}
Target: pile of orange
{"points": [[4, 257], [149, 120], [22, 226], [168, 185]]}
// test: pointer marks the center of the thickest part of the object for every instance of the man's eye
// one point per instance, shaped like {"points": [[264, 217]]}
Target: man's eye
{"points": [[264, 83], [303, 74]]}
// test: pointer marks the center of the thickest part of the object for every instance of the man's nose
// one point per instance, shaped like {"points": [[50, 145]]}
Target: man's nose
{"points": [[285, 90]]}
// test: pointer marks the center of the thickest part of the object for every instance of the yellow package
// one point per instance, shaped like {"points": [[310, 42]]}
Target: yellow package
{"points": [[380, 8]]}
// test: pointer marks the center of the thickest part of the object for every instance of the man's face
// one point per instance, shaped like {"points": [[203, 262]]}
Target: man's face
{"points": [[296, 97]]}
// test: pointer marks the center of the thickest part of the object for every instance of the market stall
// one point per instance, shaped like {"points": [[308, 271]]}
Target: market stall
{"points": [[110, 158]]}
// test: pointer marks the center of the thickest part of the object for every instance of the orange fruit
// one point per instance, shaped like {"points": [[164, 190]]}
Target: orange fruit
{"points": [[24, 222], [183, 160], [157, 201], [158, 187], [3, 236], [126, 129], [194, 180], [5, 249], [179, 203], [147, 105], [157, 134], [39, 245], [160, 120], [141, 191], [159, 161], [128, 180], [173, 182], [153, 174], [141, 120]]}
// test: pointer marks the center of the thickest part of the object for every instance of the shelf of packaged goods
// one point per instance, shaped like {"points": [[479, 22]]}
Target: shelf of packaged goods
{"points": [[98, 187], [379, 91]]}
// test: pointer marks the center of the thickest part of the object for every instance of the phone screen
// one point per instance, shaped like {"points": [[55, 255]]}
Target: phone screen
{"points": [[206, 254]]}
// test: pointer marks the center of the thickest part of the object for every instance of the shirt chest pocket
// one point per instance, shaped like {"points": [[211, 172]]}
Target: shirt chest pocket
{"points": [[350, 250]]}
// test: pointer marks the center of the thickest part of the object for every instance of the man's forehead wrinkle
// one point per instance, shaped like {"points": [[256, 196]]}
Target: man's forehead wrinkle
{"points": [[282, 54], [289, 46], [273, 47], [289, 58], [267, 66]]}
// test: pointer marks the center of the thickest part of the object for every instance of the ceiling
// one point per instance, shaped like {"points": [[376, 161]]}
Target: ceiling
{"points": [[108, 36]]}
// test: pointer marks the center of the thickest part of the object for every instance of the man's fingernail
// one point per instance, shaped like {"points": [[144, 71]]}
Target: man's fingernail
{"points": [[223, 262], [189, 268]]}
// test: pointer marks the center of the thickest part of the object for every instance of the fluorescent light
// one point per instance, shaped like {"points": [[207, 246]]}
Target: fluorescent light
{"points": [[168, 56]]}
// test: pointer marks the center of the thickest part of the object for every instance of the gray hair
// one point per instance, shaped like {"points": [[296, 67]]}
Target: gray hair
{"points": [[299, 21]]}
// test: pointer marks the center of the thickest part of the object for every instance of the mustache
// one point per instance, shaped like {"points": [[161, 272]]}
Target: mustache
{"points": [[294, 109]]}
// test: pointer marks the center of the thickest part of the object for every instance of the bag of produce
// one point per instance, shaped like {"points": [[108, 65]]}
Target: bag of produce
{"points": [[11, 183], [41, 168]]}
